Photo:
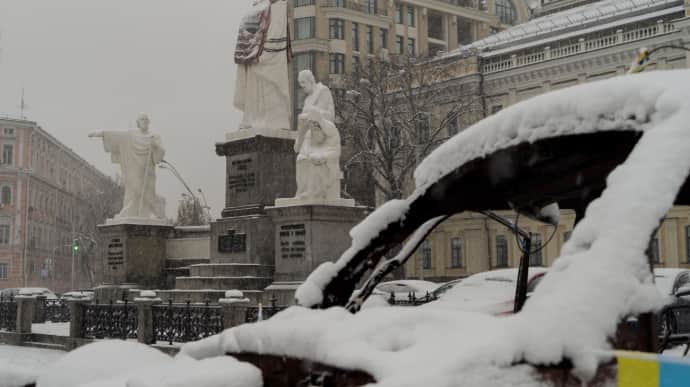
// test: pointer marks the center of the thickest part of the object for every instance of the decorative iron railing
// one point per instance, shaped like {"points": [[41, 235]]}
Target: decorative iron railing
{"points": [[8, 314], [57, 311], [411, 299], [587, 44], [112, 320], [258, 313], [181, 323]]}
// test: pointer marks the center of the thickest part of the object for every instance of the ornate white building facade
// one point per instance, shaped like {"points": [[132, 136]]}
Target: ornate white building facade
{"points": [[567, 42]]}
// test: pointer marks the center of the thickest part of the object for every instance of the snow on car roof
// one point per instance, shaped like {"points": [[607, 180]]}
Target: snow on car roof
{"points": [[417, 284], [601, 276]]}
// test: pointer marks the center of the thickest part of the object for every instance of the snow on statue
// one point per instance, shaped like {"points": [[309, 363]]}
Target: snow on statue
{"points": [[318, 148], [262, 89], [137, 151]]}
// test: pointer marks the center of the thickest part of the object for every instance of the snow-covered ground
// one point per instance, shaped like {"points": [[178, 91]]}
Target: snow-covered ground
{"points": [[21, 365], [49, 328]]}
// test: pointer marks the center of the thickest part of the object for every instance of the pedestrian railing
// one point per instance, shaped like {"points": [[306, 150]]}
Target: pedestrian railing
{"points": [[8, 314], [411, 300], [56, 311], [111, 320], [181, 323]]}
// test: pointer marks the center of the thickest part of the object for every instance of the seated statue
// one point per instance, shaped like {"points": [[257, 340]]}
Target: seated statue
{"points": [[317, 144]]}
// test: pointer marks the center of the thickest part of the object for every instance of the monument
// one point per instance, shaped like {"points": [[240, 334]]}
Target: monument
{"points": [[134, 250], [313, 226]]}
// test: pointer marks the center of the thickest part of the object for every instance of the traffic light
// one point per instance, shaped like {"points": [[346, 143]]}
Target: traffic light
{"points": [[76, 245]]}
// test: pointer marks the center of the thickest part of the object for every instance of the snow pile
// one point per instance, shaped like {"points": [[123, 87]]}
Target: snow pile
{"points": [[117, 363], [16, 376], [311, 291], [20, 366], [601, 277], [630, 102]]}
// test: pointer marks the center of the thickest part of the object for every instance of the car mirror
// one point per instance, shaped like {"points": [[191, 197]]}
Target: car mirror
{"points": [[683, 291]]}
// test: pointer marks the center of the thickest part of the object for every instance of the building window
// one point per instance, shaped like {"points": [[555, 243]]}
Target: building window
{"points": [[455, 253], [465, 35], [410, 16], [6, 195], [370, 39], [4, 234], [8, 154], [370, 7], [399, 44], [453, 126], [425, 255], [3, 271], [435, 28], [383, 34], [398, 13], [423, 127], [8, 132], [505, 10], [336, 63], [501, 251], [303, 3], [535, 257], [654, 249], [304, 28], [355, 37], [356, 65], [336, 29], [410, 46], [687, 244]]}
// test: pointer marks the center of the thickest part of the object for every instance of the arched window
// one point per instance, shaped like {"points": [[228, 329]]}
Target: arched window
{"points": [[505, 10], [6, 195]]}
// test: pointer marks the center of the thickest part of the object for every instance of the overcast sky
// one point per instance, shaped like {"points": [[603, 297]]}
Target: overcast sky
{"points": [[95, 64]]}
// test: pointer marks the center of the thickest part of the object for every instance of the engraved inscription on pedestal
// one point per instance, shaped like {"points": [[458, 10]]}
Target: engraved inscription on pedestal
{"points": [[232, 242], [116, 254], [292, 241], [241, 174]]}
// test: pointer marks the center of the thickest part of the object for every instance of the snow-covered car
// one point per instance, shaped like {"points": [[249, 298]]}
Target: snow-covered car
{"points": [[12, 292], [490, 292], [436, 294], [674, 284], [404, 289], [78, 295]]}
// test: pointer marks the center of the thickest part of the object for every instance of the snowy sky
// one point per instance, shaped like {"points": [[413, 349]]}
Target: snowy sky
{"points": [[95, 64]]}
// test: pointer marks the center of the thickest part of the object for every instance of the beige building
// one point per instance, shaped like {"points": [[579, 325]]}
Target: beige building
{"points": [[567, 42]]}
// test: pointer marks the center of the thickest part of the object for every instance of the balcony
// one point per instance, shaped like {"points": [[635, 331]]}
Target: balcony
{"points": [[364, 6]]}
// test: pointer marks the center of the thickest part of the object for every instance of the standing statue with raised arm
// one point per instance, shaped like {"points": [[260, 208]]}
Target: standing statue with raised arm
{"points": [[138, 151]]}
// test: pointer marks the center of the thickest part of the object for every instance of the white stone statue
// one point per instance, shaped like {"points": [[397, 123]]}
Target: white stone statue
{"points": [[138, 151], [318, 148], [262, 90]]}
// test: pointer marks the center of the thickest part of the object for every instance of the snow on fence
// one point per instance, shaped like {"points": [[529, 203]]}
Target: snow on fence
{"points": [[411, 299], [111, 320], [56, 311], [617, 37]]}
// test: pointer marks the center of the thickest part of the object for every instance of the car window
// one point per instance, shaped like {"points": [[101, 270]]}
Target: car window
{"points": [[683, 280]]}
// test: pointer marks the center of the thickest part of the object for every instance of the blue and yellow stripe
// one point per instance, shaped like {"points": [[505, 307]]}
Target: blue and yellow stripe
{"points": [[639, 369]]}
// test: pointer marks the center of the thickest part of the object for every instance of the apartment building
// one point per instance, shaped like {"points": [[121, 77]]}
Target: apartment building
{"points": [[49, 197]]}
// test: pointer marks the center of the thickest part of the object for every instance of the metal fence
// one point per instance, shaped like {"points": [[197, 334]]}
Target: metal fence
{"points": [[8, 314], [258, 313], [56, 311], [181, 323], [112, 320], [411, 299]]}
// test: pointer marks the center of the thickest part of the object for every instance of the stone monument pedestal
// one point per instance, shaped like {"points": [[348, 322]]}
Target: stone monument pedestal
{"points": [[305, 237], [134, 254]]}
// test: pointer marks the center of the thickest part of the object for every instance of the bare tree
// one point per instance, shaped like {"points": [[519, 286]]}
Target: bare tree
{"points": [[393, 113], [190, 212]]}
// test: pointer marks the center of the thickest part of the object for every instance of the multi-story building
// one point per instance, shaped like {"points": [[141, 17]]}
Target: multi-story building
{"points": [[333, 38], [568, 42], [49, 198]]}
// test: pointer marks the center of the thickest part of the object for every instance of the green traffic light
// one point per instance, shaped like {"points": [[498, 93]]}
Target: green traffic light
{"points": [[75, 247]]}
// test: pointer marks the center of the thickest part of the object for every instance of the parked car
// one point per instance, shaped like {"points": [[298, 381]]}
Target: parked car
{"points": [[490, 292], [78, 295], [675, 284], [12, 292]]}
